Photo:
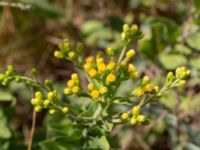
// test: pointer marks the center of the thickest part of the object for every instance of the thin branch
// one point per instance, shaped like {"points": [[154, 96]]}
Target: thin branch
{"points": [[32, 130], [16, 5]]}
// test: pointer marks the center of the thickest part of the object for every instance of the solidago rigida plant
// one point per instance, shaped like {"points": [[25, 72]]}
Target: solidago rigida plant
{"points": [[104, 73]]}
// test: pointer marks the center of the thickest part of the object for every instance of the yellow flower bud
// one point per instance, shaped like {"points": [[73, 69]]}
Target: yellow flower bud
{"points": [[130, 53], [46, 102], [89, 59], [110, 51], [134, 75], [133, 121], [65, 110], [71, 55], [71, 83], [95, 94], [75, 89], [131, 68], [38, 108], [138, 92], [101, 67], [38, 95], [149, 88], [74, 76], [99, 60], [170, 76], [92, 73], [145, 80], [136, 110], [68, 91], [141, 118], [124, 116], [110, 78], [87, 66], [103, 90], [51, 95], [58, 54], [181, 83], [125, 27], [90, 86], [111, 65], [52, 111], [35, 101]]}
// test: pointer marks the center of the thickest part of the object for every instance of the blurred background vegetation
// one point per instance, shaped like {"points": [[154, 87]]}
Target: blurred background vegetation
{"points": [[30, 31]]}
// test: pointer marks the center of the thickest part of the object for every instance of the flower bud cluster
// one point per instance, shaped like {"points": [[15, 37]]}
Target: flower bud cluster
{"points": [[73, 85], [96, 92], [66, 51], [179, 78], [40, 101], [130, 33], [134, 116], [145, 87], [7, 77]]}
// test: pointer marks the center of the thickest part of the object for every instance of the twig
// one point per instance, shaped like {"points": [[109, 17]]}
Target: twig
{"points": [[32, 130], [16, 5]]}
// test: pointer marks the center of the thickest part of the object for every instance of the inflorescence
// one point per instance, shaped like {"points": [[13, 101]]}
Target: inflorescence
{"points": [[104, 74]]}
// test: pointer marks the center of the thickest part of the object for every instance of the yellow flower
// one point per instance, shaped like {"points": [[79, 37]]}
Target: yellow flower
{"points": [[101, 67], [95, 94], [89, 59], [90, 86], [71, 83], [130, 53], [136, 110], [38, 95], [138, 92], [110, 78], [149, 88], [145, 80], [87, 66], [92, 72], [38, 108], [71, 55], [133, 121], [141, 118], [36, 101], [52, 111], [99, 60], [103, 90], [110, 51], [75, 89], [46, 102], [111, 65], [131, 68], [74, 76], [67, 91], [65, 110], [51, 95], [124, 116]]}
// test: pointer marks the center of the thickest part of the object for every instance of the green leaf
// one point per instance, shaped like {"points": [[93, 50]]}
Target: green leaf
{"points": [[4, 131], [99, 143], [193, 41], [91, 26], [194, 62], [44, 8], [51, 145], [172, 61], [5, 96], [163, 32], [104, 143]]}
